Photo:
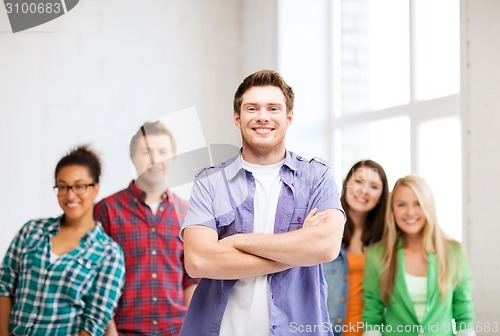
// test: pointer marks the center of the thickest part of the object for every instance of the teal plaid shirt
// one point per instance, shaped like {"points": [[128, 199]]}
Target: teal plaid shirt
{"points": [[78, 291]]}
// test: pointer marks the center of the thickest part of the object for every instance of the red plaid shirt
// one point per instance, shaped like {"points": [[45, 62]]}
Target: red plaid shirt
{"points": [[153, 297]]}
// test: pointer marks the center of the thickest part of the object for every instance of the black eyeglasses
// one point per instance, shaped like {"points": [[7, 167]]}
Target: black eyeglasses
{"points": [[78, 189]]}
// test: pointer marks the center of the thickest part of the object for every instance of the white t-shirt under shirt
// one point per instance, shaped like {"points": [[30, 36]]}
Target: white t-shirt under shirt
{"points": [[54, 257], [154, 207], [247, 311]]}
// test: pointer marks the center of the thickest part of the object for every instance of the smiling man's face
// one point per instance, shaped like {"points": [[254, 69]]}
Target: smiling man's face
{"points": [[263, 121]]}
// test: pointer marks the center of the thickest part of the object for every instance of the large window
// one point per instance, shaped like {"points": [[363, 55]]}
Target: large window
{"points": [[391, 68]]}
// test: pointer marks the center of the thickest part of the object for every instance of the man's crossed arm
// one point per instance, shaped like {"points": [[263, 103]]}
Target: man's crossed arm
{"points": [[249, 255]]}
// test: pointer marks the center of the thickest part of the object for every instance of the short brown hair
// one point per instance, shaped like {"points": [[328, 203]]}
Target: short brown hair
{"points": [[264, 78], [151, 128]]}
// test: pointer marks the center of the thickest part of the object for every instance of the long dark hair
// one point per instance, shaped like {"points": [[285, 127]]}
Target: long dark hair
{"points": [[374, 224]]}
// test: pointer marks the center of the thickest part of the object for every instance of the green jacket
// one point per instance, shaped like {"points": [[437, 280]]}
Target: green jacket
{"points": [[398, 317]]}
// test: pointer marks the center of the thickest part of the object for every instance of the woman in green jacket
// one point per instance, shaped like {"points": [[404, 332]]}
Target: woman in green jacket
{"points": [[417, 280]]}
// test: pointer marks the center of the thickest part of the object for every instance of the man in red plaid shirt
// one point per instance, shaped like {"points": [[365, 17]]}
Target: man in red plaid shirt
{"points": [[145, 220]]}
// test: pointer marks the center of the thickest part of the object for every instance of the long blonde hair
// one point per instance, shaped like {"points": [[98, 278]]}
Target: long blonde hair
{"points": [[434, 240]]}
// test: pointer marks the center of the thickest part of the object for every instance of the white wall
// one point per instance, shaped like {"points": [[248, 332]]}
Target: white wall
{"points": [[98, 72], [480, 107], [304, 60]]}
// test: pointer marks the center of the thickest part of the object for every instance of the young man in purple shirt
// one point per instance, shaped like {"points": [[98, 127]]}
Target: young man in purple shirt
{"points": [[260, 225]]}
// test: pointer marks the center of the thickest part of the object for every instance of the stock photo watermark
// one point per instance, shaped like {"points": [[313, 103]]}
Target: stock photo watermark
{"points": [[434, 328], [26, 14]]}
